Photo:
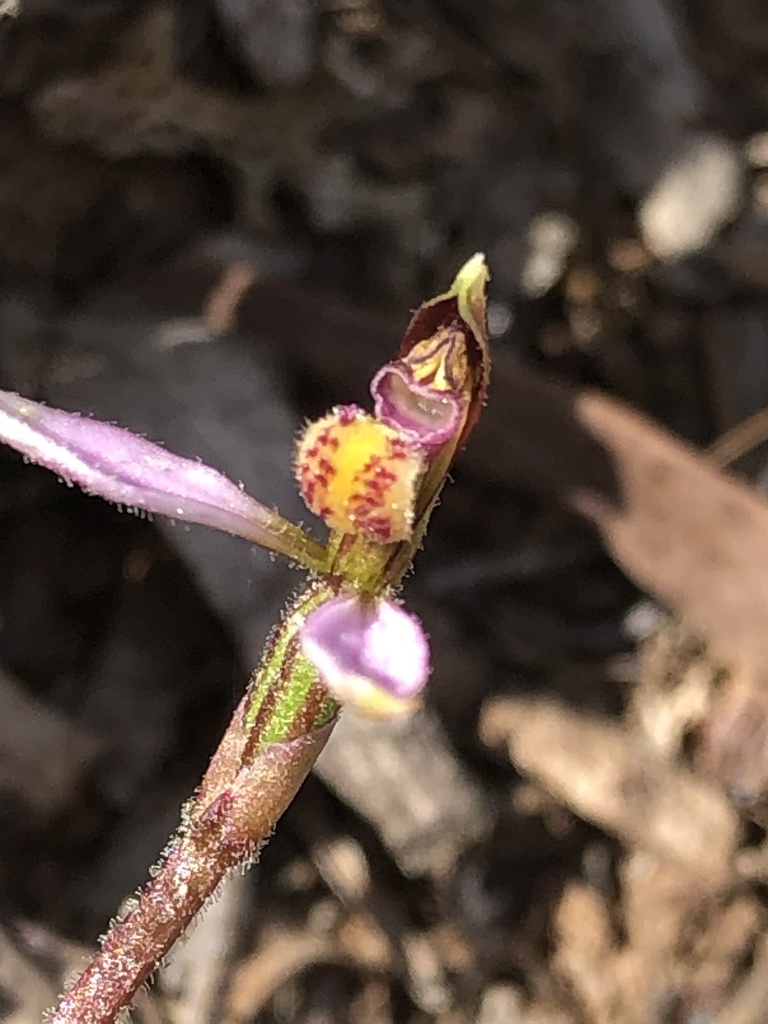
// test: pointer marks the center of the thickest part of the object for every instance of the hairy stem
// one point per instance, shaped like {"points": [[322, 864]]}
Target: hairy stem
{"points": [[274, 738]]}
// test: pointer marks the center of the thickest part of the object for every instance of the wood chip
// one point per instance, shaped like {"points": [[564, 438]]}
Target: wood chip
{"points": [[403, 777], [603, 774]]}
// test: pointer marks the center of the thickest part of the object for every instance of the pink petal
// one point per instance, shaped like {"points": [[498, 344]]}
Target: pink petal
{"points": [[429, 416], [371, 655], [117, 465]]}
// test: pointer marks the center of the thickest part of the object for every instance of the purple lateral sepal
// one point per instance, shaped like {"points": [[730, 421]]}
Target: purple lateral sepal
{"points": [[115, 464], [371, 655], [430, 416]]}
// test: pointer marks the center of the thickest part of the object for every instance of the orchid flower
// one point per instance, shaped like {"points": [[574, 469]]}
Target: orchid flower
{"points": [[373, 478]]}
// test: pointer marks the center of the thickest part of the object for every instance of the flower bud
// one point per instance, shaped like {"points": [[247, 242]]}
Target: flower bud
{"points": [[372, 656]]}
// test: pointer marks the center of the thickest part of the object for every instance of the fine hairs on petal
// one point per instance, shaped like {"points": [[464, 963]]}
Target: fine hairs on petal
{"points": [[359, 475], [118, 465]]}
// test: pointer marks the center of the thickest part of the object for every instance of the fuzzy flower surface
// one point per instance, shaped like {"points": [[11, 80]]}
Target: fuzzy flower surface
{"points": [[372, 477]]}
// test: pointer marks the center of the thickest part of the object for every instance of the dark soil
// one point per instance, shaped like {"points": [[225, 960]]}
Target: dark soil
{"points": [[215, 218]]}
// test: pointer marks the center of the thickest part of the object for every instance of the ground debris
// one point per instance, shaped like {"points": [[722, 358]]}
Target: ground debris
{"points": [[602, 773], [214, 218]]}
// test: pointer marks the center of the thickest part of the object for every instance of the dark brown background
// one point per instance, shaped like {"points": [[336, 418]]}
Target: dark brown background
{"points": [[572, 830]]}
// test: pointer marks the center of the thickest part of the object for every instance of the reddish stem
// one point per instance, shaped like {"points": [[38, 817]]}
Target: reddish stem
{"points": [[136, 943], [235, 810]]}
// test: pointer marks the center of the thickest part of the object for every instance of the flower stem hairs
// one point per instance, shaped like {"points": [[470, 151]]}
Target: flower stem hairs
{"points": [[344, 640]]}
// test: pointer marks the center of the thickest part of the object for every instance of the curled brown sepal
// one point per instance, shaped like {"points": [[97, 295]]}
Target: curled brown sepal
{"points": [[223, 827], [375, 479], [116, 464], [436, 388]]}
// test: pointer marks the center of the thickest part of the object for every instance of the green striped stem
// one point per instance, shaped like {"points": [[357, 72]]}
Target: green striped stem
{"points": [[274, 738], [286, 698]]}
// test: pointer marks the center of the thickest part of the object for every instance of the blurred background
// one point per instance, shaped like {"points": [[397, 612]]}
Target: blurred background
{"points": [[215, 219]]}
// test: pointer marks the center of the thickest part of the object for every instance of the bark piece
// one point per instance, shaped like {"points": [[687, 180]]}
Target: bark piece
{"points": [[584, 951], [403, 777], [732, 744], [603, 774], [659, 901], [747, 1006]]}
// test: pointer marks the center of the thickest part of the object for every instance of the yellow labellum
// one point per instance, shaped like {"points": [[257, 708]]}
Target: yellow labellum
{"points": [[359, 475]]}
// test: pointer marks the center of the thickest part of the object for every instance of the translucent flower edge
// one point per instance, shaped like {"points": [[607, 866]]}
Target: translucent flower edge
{"points": [[372, 655]]}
